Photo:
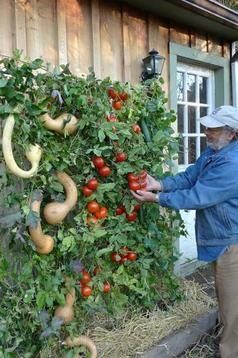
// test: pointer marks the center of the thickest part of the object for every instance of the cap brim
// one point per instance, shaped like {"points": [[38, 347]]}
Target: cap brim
{"points": [[210, 122]]}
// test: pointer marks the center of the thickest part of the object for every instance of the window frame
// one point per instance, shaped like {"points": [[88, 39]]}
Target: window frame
{"points": [[197, 71], [220, 65]]}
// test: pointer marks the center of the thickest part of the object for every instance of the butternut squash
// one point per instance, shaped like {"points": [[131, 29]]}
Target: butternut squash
{"points": [[65, 124], [55, 212], [33, 154], [66, 312], [44, 243], [82, 341]]}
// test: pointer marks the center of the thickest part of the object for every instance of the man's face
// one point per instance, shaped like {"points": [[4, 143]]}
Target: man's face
{"points": [[217, 138]]}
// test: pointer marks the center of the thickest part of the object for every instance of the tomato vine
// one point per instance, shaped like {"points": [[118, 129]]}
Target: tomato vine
{"points": [[130, 130]]}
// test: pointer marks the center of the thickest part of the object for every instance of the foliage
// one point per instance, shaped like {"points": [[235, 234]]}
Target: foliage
{"points": [[32, 285]]}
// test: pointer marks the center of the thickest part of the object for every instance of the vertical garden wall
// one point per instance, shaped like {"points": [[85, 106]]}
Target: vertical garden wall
{"points": [[94, 245]]}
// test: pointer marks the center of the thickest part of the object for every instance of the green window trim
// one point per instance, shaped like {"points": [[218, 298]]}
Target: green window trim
{"points": [[220, 65]]}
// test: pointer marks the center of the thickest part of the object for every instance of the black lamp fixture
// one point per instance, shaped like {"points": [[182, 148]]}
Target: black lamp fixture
{"points": [[152, 65]]}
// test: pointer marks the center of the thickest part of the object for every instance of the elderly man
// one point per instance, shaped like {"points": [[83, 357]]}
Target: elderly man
{"points": [[210, 186]]}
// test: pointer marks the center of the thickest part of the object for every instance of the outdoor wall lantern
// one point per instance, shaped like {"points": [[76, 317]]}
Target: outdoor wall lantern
{"points": [[152, 65]]}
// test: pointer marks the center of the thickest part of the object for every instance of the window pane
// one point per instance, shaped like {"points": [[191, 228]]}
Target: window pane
{"points": [[191, 119], [203, 144], [203, 112], [191, 86], [191, 150], [181, 151], [180, 86], [203, 89], [180, 114]]}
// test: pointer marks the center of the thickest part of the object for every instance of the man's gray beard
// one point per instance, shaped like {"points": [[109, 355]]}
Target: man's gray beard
{"points": [[219, 144]]}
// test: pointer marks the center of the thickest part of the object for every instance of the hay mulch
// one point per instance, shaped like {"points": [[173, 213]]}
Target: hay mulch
{"points": [[138, 332]]}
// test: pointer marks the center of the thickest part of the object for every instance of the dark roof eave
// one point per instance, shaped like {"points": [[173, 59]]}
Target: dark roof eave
{"points": [[201, 15]]}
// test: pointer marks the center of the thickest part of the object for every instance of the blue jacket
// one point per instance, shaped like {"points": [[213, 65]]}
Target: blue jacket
{"points": [[210, 187]]}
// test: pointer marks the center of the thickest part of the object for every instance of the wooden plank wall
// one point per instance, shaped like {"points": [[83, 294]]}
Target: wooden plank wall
{"points": [[104, 34]]}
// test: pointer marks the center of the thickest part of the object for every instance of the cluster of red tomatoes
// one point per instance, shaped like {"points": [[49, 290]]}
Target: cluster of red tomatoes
{"points": [[90, 187], [101, 167], [85, 288], [123, 256], [137, 181], [99, 212], [117, 98], [130, 217]]}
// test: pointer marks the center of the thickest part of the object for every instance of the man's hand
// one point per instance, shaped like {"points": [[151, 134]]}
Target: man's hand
{"points": [[152, 184], [143, 196]]}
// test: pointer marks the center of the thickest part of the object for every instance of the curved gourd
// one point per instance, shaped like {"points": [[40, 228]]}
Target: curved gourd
{"points": [[66, 312], [82, 341], [44, 243], [64, 124], [55, 212], [33, 154]]}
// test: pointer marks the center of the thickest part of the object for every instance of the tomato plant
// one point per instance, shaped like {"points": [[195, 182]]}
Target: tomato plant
{"points": [[34, 284]]}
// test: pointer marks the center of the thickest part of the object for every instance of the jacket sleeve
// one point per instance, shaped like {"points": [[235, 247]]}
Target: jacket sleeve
{"points": [[214, 186], [183, 180]]}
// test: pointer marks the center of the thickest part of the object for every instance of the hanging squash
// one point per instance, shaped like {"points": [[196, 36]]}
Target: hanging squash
{"points": [[82, 341], [55, 212], [65, 124], [33, 154], [44, 243]]}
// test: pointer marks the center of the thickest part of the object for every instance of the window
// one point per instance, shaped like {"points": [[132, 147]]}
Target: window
{"points": [[195, 87]]}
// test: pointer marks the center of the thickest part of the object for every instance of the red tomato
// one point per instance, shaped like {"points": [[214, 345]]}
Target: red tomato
{"points": [[132, 177], [123, 96], [98, 162], [102, 213], [120, 210], [143, 174], [136, 128], [143, 184], [106, 287], [91, 220], [117, 104], [115, 257], [132, 216], [137, 207], [104, 171], [132, 256], [112, 118], [112, 93], [92, 184], [93, 207], [133, 185], [86, 278], [121, 157], [86, 291], [86, 191]]}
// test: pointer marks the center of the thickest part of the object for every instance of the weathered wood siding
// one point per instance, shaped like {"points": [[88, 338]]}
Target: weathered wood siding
{"points": [[109, 36]]}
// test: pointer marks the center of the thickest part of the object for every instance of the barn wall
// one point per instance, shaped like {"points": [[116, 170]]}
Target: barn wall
{"points": [[111, 37]]}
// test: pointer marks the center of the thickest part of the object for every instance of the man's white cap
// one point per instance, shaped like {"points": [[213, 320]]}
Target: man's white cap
{"points": [[220, 117]]}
